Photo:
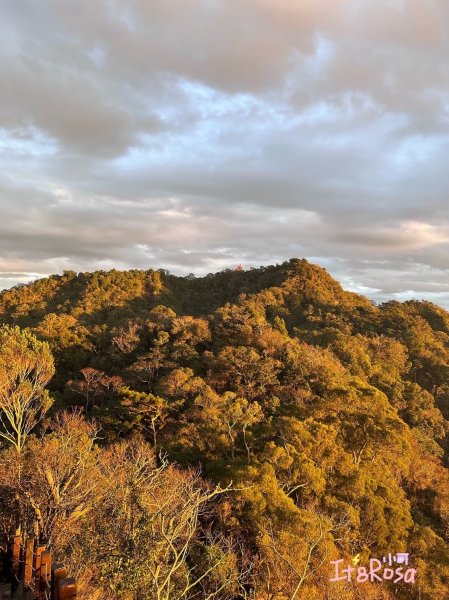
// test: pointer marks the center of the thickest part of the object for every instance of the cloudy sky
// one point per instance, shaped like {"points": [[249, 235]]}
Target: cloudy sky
{"points": [[195, 135]]}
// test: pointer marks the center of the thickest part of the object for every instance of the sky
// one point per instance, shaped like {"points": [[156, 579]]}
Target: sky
{"points": [[196, 135]]}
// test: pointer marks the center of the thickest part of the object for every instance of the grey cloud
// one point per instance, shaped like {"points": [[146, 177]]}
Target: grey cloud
{"points": [[199, 134]]}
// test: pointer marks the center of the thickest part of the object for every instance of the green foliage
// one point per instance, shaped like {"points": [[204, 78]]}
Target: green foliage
{"points": [[329, 413]]}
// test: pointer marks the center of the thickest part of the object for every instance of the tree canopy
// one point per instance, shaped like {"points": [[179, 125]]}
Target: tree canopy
{"points": [[324, 417]]}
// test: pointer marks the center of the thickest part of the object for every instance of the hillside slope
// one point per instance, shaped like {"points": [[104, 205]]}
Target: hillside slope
{"points": [[321, 404]]}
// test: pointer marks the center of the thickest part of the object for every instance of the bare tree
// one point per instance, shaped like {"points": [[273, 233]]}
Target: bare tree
{"points": [[126, 339], [149, 525], [292, 567], [26, 366], [89, 387], [62, 480]]}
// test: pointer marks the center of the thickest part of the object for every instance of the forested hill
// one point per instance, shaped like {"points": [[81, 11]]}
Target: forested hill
{"points": [[326, 408], [128, 294]]}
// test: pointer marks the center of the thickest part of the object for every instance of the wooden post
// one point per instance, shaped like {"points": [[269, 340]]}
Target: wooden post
{"points": [[16, 550], [37, 574], [67, 589], [58, 572], [45, 574], [29, 562], [34, 576]]}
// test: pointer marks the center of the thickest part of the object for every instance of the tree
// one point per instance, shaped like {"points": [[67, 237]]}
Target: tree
{"points": [[189, 335], [26, 366], [244, 371], [126, 339], [90, 387], [223, 419], [145, 370], [62, 482], [139, 541], [293, 566], [147, 412]]}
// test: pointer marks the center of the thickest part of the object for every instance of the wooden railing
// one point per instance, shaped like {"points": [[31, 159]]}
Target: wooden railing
{"points": [[34, 576]]}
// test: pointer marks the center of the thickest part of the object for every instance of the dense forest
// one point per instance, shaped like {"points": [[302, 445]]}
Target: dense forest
{"points": [[225, 436]]}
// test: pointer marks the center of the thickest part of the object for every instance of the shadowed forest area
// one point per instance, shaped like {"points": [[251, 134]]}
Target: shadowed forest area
{"points": [[226, 436]]}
